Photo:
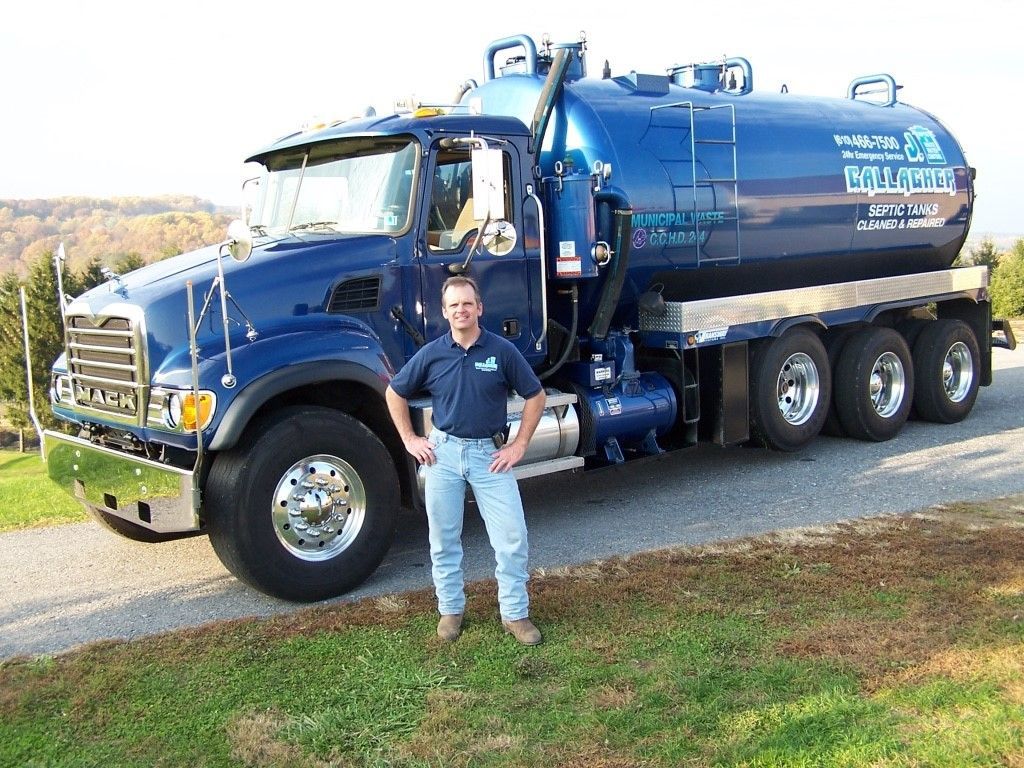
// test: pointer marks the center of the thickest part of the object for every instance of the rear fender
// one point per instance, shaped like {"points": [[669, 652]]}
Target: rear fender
{"points": [[812, 321]]}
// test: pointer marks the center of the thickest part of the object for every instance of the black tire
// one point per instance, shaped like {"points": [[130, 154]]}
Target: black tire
{"points": [[129, 530], [321, 541], [834, 342], [790, 382], [947, 366], [910, 328], [874, 384]]}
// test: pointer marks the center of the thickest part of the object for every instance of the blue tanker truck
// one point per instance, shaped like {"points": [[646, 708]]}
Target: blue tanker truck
{"points": [[679, 257]]}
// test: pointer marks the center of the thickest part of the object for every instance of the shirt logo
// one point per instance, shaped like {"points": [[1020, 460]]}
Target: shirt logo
{"points": [[490, 364]]}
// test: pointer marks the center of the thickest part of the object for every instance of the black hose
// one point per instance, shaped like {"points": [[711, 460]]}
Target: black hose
{"points": [[612, 289], [570, 339]]}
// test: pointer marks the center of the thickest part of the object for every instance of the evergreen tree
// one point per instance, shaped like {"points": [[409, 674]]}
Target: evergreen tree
{"points": [[12, 356], [46, 339], [129, 262], [1007, 286], [45, 329], [90, 276], [985, 254]]}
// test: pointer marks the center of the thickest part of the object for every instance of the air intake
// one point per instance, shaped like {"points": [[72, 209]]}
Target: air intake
{"points": [[359, 295]]}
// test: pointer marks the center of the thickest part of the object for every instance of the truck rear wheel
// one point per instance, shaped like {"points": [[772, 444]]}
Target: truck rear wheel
{"points": [[834, 342], [874, 384], [304, 507], [790, 383], [946, 364]]}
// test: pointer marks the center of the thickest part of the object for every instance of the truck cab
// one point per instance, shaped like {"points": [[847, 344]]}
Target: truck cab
{"points": [[353, 229]]}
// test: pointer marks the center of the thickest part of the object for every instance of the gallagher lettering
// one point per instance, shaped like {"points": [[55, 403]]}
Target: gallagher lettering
{"points": [[874, 180]]}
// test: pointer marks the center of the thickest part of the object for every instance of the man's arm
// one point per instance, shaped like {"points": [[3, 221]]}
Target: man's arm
{"points": [[418, 447], [509, 455]]}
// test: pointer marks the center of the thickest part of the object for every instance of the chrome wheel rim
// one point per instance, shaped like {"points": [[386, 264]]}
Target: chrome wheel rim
{"points": [[957, 372], [319, 507], [798, 388], [887, 384]]}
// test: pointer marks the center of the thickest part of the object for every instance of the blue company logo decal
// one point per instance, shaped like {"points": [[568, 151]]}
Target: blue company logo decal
{"points": [[490, 364], [918, 145], [673, 228], [922, 142]]}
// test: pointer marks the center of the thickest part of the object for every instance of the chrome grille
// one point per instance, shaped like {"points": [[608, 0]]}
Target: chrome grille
{"points": [[104, 365]]}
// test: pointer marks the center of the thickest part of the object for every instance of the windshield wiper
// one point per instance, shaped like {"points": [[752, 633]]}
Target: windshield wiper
{"points": [[312, 225]]}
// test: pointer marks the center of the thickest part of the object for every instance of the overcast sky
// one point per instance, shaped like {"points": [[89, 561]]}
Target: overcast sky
{"points": [[110, 98]]}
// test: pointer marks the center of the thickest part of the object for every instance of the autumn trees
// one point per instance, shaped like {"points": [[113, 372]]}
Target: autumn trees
{"points": [[103, 229], [120, 233]]}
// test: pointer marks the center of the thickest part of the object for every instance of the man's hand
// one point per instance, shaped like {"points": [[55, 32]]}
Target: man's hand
{"points": [[421, 449], [507, 457]]}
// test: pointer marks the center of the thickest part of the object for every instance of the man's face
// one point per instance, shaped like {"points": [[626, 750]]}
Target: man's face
{"points": [[460, 308]]}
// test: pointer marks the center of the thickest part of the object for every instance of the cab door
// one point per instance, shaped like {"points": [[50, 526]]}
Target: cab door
{"points": [[506, 264]]}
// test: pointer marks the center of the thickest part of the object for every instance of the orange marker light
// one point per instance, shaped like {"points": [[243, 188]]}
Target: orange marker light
{"points": [[188, 410]]}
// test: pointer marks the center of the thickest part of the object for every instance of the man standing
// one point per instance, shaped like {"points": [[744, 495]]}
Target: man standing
{"points": [[469, 373]]}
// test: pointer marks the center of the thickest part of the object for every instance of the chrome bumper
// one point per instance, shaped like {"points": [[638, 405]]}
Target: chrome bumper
{"points": [[143, 492]]}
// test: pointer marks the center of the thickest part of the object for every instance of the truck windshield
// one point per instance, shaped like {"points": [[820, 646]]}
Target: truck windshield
{"points": [[360, 185]]}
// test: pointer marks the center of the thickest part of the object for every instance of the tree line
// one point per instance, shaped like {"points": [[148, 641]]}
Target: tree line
{"points": [[95, 228]]}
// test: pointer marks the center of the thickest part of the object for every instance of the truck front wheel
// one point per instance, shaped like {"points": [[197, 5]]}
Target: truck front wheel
{"points": [[304, 507], [790, 382]]}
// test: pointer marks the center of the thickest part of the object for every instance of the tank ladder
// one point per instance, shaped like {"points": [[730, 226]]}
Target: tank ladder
{"points": [[714, 150]]}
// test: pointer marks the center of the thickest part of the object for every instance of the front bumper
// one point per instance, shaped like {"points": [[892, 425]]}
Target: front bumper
{"points": [[143, 492]]}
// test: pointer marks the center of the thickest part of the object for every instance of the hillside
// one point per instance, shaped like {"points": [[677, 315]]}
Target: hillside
{"points": [[106, 229]]}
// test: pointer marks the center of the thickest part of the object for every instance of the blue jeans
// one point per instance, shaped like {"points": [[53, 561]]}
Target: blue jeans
{"points": [[461, 461]]}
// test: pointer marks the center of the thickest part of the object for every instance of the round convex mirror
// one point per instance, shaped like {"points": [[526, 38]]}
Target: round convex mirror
{"points": [[239, 240], [499, 237]]}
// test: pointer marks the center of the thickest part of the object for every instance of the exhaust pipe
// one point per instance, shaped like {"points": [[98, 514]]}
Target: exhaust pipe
{"points": [[28, 376]]}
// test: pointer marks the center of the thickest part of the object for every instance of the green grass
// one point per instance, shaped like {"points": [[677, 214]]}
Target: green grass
{"points": [[895, 642], [29, 498]]}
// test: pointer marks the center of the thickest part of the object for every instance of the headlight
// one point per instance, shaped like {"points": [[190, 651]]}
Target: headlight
{"points": [[180, 412], [172, 410], [60, 390]]}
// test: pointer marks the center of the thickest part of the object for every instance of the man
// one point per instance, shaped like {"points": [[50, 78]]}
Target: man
{"points": [[469, 373]]}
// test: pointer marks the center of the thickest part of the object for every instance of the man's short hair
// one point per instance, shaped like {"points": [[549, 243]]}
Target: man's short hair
{"points": [[458, 280]]}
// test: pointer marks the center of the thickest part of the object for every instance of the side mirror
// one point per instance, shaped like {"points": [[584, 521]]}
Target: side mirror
{"points": [[488, 184], [239, 240]]}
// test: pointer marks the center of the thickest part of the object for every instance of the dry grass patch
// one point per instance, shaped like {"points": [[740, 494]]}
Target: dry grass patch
{"points": [[254, 741], [615, 696], [442, 737], [939, 588]]}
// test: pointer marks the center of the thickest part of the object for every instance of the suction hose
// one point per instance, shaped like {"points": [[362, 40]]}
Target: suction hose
{"points": [[567, 348]]}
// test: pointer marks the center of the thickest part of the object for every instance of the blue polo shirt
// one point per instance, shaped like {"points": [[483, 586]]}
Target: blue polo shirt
{"points": [[469, 387]]}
